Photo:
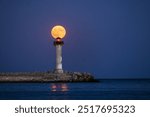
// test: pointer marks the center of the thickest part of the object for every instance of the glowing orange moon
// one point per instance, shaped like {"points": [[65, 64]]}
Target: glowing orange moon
{"points": [[58, 32]]}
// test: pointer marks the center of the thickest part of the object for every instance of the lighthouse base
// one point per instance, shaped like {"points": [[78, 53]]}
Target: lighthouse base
{"points": [[60, 71]]}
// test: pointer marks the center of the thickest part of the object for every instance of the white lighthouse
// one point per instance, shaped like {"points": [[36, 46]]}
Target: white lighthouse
{"points": [[58, 32], [58, 44]]}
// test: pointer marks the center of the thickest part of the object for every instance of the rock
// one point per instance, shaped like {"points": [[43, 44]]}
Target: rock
{"points": [[46, 77]]}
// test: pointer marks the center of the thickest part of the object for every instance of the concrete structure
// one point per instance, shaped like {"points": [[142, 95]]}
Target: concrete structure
{"points": [[58, 44]]}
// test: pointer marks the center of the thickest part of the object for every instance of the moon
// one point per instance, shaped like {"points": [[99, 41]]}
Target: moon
{"points": [[58, 32]]}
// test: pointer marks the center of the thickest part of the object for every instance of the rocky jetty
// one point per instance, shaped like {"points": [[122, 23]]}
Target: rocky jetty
{"points": [[46, 77]]}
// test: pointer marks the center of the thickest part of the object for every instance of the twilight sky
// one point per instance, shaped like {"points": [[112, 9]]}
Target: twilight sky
{"points": [[108, 38]]}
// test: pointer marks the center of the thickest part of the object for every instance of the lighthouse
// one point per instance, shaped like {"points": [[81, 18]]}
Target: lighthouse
{"points": [[58, 32]]}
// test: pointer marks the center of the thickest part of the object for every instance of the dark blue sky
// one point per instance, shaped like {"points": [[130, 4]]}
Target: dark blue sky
{"points": [[109, 38]]}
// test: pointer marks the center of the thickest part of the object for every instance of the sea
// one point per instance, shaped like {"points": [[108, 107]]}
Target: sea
{"points": [[105, 89]]}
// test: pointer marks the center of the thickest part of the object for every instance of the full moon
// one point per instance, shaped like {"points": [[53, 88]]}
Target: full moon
{"points": [[58, 32]]}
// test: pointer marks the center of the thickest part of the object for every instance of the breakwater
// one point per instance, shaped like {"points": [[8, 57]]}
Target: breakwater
{"points": [[46, 77]]}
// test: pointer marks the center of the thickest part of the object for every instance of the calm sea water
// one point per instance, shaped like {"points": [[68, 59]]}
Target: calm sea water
{"points": [[105, 89]]}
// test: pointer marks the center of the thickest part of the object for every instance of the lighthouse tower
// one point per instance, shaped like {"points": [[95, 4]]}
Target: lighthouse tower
{"points": [[58, 32], [58, 44]]}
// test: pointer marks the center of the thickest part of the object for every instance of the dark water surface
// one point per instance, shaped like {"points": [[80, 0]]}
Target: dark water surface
{"points": [[105, 89]]}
